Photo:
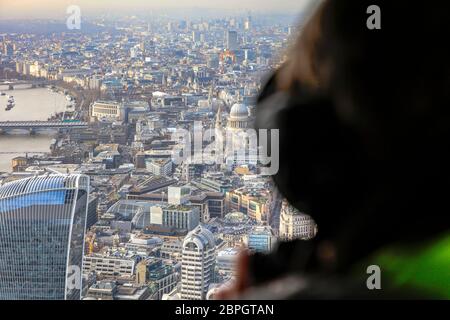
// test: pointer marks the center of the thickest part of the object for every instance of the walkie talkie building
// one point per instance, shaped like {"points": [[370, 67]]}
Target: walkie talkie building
{"points": [[42, 226]]}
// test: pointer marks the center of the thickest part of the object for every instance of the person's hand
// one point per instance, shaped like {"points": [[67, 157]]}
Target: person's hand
{"points": [[242, 279]]}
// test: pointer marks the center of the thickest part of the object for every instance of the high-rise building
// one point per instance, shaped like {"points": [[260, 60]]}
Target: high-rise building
{"points": [[91, 217], [19, 67], [182, 25], [42, 227], [248, 23], [231, 40], [198, 262], [195, 36], [8, 49]]}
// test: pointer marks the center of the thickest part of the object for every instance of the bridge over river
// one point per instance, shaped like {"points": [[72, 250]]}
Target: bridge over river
{"points": [[33, 126], [32, 83]]}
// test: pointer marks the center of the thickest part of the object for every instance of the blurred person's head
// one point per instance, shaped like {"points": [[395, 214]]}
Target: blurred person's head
{"points": [[377, 79], [365, 119]]}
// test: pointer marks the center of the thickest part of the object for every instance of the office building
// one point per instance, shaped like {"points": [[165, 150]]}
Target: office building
{"points": [[231, 40], [113, 290], [195, 36], [160, 167], [8, 49], [261, 239], [252, 201], [198, 263], [227, 260], [141, 213], [181, 217], [110, 265], [42, 227], [248, 23], [295, 225], [162, 276], [92, 217], [104, 110], [178, 195]]}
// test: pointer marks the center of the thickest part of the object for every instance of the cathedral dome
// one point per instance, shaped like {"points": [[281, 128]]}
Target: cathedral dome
{"points": [[239, 111]]}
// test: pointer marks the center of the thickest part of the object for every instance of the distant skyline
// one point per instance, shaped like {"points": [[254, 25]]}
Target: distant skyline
{"points": [[56, 9]]}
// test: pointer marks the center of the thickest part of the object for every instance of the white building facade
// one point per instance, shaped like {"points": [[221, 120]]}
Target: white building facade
{"points": [[295, 224], [103, 110], [198, 263]]}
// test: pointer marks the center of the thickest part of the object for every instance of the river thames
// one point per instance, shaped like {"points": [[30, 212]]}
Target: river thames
{"points": [[30, 104]]}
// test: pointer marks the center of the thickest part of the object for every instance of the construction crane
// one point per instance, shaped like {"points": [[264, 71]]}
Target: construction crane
{"points": [[90, 243]]}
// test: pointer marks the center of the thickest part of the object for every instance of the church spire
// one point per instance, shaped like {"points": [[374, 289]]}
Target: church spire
{"points": [[210, 95], [219, 117]]}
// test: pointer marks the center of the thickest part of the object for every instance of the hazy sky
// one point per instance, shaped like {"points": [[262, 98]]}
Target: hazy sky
{"points": [[10, 9]]}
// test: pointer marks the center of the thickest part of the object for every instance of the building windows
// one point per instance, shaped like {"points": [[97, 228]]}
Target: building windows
{"points": [[53, 210]]}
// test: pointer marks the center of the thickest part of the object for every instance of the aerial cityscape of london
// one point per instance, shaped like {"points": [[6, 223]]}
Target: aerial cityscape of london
{"points": [[204, 158], [98, 112]]}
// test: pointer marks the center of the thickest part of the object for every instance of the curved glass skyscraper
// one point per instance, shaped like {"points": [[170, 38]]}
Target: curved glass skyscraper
{"points": [[42, 226]]}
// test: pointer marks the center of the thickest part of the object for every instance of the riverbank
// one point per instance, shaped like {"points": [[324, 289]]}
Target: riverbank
{"points": [[30, 104]]}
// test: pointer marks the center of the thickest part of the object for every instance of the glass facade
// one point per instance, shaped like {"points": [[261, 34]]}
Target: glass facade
{"points": [[261, 240], [42, 226]]}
